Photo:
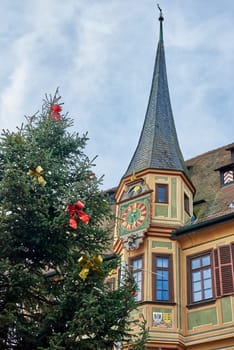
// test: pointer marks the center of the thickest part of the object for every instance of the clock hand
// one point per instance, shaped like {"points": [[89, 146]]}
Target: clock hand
{"points": [[134, 215]]}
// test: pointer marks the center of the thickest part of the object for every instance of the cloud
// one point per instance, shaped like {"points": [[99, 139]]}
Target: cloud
{"points": [[12, 95], [101, 54]]}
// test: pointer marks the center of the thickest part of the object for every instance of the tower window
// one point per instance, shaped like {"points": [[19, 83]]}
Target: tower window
{"points": [[110, 283], [186, 203], [137, 273], [161, 193], [162, 276]]}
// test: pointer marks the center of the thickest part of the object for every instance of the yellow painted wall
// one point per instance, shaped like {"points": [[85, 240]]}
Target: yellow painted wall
{"points": [[203, 327], [215, 320]]}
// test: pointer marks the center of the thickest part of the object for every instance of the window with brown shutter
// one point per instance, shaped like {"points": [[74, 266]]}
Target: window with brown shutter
{"points": [[202, 269], [199, 277], [224, 270]]}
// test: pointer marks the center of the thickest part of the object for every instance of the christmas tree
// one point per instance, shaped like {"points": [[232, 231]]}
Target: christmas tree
{"points": [[54, 291]]}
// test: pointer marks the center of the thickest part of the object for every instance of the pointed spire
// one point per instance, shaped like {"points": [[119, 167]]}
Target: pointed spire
{"points": [[158, 146]]}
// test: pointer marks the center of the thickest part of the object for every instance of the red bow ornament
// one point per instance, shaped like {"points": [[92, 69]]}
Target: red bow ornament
{"points": [[55, 112], [76, 213]]}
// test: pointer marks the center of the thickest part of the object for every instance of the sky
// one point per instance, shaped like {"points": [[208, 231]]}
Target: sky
{"points": [[101, 53]]}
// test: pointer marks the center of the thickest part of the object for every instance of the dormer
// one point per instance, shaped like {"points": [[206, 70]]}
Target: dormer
{"points": [[227, 170]]}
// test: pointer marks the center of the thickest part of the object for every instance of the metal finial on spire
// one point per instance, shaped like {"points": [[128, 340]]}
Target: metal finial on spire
{"points": [[161, 15], [161, 26]]}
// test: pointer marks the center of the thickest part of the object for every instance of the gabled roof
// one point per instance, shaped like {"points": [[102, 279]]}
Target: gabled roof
{"points": [[212, 199], [158, 146]]}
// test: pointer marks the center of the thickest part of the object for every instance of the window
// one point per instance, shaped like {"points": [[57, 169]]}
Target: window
{"points": [[200, 278], [186, 203], [161, 192], [137, 272], [227, 175], [162, 278], [110, 283], [216, 265]]}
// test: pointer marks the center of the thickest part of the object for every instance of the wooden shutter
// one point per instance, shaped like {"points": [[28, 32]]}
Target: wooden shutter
{"points": [[233, 255], [216, 273], [224, 274]]}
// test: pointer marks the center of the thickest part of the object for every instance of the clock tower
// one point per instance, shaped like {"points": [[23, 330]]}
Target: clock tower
{"points": [[154, 197]]}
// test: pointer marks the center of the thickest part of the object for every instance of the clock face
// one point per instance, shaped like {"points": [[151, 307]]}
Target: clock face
{"points": [[133, 216]]}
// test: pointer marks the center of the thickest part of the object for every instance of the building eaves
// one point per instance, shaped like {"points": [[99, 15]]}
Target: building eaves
{"points": [[193, 228]]}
